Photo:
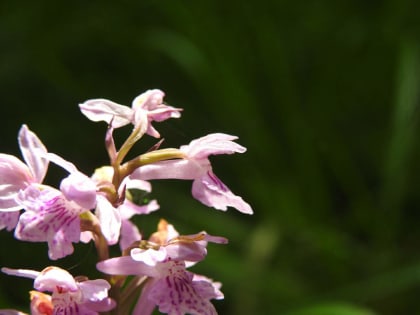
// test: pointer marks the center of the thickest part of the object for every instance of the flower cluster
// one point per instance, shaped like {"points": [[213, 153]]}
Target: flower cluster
{"points": [[150, 272]]}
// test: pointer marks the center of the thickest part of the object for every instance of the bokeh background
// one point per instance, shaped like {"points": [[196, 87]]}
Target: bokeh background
{"points": [[325, 96]]}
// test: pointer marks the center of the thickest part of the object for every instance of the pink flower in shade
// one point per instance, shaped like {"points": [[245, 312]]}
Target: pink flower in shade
{"points": [[145, 109], [170, 286], [16, 175], [207, 187], [69, 296]]}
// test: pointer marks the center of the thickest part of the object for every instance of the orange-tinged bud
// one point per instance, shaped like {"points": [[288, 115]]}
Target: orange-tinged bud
{"points": [[40, 303]]}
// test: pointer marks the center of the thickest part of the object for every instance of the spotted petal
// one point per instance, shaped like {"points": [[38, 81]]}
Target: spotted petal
{"points": [[177, 293], [50, 217], [211, 191]]}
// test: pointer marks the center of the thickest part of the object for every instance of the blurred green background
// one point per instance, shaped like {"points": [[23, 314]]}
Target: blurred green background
{"points": [[325, 96]]}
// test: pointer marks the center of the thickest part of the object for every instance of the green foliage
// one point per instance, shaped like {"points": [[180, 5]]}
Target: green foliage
{"points": [[332, 309]]}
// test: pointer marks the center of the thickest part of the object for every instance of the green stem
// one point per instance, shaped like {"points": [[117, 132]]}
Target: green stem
{"points": [[128, 144], [129, 294], [149, 158]]}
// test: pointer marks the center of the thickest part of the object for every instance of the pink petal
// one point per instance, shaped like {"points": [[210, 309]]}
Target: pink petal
{"points": [[86, 236], [176, 293], [125, 265], [210, 190], [129, 234], [60, 244], [104, 305], [215, 239], [109, 218], [12, 312], [52, 277], [31, 146], [80, 189], [207, 287], [164, 112], [49, 217], [56, 159], [136, 184], [94, 290], [149, 107], [8, 220], [187, 251], [212, 144], [148, 100], [173, 169], [26, 273], [149, 256], [105, 110], [128, 208], [15, 175]]}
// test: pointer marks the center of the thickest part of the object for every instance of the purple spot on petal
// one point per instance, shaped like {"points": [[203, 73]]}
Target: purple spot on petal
{"points": [[217, 181]]}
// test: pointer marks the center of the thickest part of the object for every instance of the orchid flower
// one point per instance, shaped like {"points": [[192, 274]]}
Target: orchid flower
{"points": [[115, 219], [69, 295], [207, 187], [48, 215], [167, 245], [169, 286], [145, 109], [16, 175], [52, 215]]}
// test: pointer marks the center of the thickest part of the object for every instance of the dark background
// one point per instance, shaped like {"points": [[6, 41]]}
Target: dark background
{"points": [[325, 96]]}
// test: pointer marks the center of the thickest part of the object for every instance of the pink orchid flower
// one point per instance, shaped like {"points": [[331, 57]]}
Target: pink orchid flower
{"points": [[145, 109], [164, 259], [69, 296], [53, 215], [50, 215], [207, 187]]}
